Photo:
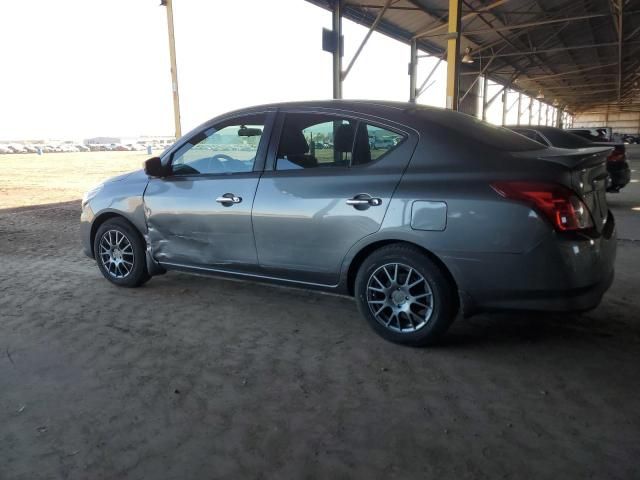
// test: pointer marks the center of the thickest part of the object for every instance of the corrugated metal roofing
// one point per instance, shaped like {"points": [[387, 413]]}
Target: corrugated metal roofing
{"points": [[574, 51]]}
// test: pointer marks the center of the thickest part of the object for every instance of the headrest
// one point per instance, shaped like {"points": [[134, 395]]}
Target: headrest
{"points": [[343, 138], [362, 152], [293, 142]]}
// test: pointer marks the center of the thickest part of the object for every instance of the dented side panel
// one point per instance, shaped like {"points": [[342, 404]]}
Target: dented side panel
{"points": [[187, 226]]}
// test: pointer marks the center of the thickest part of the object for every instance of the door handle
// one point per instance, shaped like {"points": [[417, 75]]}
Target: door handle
{"points": [[364, 201], [228, 199]]}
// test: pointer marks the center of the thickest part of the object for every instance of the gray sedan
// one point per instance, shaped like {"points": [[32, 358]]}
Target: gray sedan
{"points": [[449, 215]]}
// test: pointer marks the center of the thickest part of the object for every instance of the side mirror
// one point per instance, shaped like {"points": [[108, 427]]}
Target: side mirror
{"points": [[154, 168]]}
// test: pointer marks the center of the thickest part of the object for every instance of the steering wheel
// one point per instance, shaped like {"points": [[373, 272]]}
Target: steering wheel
{"points": [[216, 163], [221, 156]]}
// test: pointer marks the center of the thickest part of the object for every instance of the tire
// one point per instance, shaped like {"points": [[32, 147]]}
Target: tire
{"points": [[399, 312], [120, 253]]}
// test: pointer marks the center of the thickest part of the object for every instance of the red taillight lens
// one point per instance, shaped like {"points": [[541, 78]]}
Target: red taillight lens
{"points": [[617, 156], [559, 204]]}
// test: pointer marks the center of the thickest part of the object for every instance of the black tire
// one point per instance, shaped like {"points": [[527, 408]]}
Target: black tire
{"points": [[123, 274], [437, 315]]}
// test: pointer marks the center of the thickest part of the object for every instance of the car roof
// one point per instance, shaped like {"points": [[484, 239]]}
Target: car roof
{"points": [[396, 111]]}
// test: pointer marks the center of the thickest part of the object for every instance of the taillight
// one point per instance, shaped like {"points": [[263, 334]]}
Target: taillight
{"points": [[559, 204], [617, 155]]}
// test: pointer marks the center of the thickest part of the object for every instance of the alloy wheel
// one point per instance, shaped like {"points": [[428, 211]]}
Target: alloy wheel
{"points": [[116, 254], [399, 298]]}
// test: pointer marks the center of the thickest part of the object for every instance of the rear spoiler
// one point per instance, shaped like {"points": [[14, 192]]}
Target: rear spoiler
{"points": [[620, 147], [571, 158]]}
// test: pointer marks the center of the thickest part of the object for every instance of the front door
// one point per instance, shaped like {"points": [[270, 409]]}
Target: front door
{"points": [[200, 215], [330, 184]]}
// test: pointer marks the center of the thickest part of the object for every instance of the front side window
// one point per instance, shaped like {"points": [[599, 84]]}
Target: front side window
{"points": [[316, 141], [223, 149]]}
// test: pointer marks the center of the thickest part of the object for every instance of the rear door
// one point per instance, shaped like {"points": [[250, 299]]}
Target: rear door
{"points": [[325, 187], [200, 215]]}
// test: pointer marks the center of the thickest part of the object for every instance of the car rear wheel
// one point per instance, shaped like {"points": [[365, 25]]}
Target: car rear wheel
{"points": [[404, 295], [120, 253]]}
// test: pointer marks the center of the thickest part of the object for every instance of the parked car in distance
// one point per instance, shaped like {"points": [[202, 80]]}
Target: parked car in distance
{"points": [[383, 143], [30, 149], [17, 148], [456, 215], [617, 165], [593, 134]]}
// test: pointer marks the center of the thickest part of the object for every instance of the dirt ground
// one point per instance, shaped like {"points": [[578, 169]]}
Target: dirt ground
{"points": [[192, 377], [58, 177]]}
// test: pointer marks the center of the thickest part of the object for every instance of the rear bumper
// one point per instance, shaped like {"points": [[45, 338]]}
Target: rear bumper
{"points": [[562, 274], [567, 300]]}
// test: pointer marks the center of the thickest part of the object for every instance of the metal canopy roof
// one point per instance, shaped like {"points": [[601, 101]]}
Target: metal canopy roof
{"points": [[584, 53]]}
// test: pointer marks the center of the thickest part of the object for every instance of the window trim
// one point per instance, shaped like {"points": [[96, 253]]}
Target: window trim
{"points": [[278, 124]]}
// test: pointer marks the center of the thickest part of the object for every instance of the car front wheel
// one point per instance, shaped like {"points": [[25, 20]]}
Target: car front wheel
{"points": [[404, 295], [120, 253]]}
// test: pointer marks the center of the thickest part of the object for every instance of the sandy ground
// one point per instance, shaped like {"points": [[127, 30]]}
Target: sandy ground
{"points": [[58, 177], [192, 377]]}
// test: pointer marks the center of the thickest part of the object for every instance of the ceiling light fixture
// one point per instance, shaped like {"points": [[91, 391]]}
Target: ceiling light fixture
{"points": [[540, 95], [467, 58]]}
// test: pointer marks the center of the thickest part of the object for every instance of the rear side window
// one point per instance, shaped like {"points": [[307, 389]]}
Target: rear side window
{"points": [[321, 141]]}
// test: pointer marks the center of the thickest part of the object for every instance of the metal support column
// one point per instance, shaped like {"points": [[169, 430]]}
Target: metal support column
{"points": [[539, 113], [174, 68], [413, 71], [485, 93], [530, 110], [546, 115], [519, 107], [337, 53], [505, 97], [453, 54]]}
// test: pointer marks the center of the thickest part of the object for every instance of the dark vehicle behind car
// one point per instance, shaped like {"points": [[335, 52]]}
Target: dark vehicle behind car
{"points": [[617, 165], [598, 134]]}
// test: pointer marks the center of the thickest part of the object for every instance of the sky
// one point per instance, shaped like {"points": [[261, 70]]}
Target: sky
{"points": [[81, 68]]}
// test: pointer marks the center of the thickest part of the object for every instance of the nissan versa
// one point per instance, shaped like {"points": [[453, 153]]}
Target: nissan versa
{"points": [[446, 214]]}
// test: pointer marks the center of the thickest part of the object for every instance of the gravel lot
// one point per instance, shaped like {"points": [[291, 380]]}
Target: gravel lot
{"points": [[194, 377]]}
